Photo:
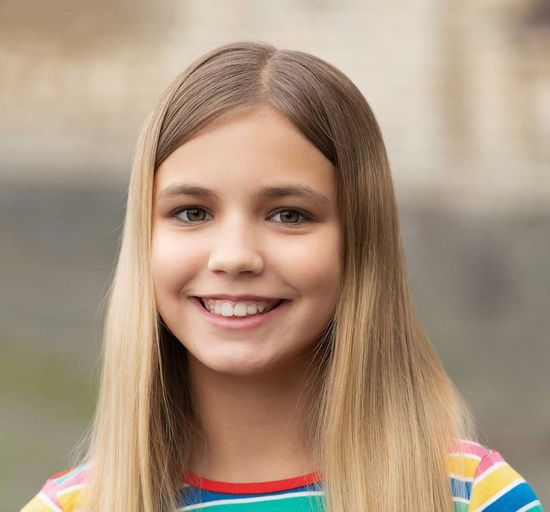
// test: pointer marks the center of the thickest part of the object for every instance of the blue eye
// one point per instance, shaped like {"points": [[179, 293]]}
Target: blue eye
{"points": [[192, 211]]}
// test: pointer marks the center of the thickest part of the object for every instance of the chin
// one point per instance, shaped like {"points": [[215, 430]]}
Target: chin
{"points": [[237, 365]]}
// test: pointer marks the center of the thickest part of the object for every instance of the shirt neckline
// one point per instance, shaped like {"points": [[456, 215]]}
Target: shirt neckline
{"points": [[284, 484]]}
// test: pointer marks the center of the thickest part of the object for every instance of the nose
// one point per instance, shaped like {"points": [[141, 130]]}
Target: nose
{"points": [[235, 249]]}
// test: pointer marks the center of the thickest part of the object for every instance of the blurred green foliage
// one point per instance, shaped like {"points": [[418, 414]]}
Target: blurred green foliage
{"points": [[47, 404]]}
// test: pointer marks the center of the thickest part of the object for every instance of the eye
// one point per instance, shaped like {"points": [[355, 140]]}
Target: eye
{"points": [[192, 212], [292, 215]]}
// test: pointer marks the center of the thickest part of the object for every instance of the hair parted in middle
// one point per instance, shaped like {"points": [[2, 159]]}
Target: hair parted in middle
{"points": [[385, 413]]}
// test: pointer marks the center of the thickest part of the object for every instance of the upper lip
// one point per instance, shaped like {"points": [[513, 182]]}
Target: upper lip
{"points": [[237, 298]]}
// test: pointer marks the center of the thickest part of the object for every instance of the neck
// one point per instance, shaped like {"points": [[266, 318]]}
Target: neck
{"points": [[254, 426]]}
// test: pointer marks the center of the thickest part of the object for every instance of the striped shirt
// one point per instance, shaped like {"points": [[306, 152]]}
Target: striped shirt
{"points": [[480, 480]]}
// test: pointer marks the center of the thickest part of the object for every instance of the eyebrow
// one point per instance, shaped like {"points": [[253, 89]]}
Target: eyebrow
{"points": [[282, 190]]}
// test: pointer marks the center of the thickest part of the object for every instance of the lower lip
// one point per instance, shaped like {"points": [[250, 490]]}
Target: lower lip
{"points": [[240, 323]]}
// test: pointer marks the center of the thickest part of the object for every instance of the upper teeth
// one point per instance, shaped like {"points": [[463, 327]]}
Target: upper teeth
{"points": [[228, 308]]}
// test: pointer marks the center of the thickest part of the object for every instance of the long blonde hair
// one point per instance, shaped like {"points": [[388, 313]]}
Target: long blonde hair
{"points": [[386, 412]]}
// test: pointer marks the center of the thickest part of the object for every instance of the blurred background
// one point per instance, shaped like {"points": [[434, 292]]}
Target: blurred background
{"points": [[461, 92]]}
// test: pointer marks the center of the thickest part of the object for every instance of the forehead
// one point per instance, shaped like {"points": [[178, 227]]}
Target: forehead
{"points": [[249, 149]]}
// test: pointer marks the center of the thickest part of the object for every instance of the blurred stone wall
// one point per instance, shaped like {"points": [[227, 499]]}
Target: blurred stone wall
{"points": [[461, 89]]}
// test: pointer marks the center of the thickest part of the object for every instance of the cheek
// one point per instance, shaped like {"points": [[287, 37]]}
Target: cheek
{"points": [[315, 267], [314, 271], [311, 266], [172, 266]]}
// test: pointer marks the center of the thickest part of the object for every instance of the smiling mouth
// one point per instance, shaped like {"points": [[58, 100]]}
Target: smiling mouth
{"points": [[275, 305]]}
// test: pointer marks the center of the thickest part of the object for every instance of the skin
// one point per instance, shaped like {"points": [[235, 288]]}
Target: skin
{"points": [[246, 385]]}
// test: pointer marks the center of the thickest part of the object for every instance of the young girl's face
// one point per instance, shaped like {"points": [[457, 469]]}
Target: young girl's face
{"points": [[222, 227]]}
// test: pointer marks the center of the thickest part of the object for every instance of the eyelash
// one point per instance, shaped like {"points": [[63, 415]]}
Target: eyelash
{"points": [[307, 216]]}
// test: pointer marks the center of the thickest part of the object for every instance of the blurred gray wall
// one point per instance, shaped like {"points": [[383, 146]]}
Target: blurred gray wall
{"points": [[461, 92]]}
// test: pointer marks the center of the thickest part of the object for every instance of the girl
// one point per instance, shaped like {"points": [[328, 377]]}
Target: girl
{"points": [[262, 352]]}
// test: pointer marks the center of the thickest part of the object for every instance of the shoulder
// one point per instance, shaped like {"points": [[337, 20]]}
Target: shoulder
{"points": [[61, 492], [481, 480]]}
